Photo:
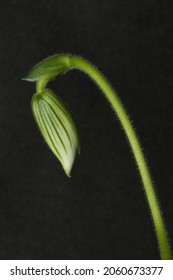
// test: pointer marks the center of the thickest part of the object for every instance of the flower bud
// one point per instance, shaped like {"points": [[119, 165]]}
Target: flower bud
{"points": [[49, 68], [57, 127]]}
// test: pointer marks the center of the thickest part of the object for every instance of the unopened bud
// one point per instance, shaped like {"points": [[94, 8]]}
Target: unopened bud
{"points": [[57, 127]]}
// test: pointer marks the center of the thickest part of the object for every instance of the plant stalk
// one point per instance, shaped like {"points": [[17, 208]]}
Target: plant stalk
{"points": [[112, 97]]}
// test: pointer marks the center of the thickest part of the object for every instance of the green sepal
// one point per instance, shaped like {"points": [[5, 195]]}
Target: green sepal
{"points": [[49, 68], [57, 127]]}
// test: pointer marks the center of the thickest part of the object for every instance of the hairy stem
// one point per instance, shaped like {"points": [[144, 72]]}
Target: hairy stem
{"points": [[116, 104]]}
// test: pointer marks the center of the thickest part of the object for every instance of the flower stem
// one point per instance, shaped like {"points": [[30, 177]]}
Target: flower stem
{"points": [[116, 104], [41, 84]]}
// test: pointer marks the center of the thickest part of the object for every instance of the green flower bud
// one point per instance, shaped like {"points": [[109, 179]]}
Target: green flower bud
{"points": [[49, 68], [57, 127]]}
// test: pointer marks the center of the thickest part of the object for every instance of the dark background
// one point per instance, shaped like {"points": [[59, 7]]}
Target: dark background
{"points": [[101, 212]]}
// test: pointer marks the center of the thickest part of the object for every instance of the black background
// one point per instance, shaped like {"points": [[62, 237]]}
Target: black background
{"points": [[101, 212]]}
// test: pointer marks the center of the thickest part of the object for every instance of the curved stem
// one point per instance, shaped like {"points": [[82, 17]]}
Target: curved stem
{"points": [[112, 97], [41, 84]]}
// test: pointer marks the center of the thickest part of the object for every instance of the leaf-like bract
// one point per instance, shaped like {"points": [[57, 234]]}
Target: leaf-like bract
{"points": [[49, 68]]}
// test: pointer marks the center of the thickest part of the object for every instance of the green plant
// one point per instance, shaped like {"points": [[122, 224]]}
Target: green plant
{"points": [[58, 127]]}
